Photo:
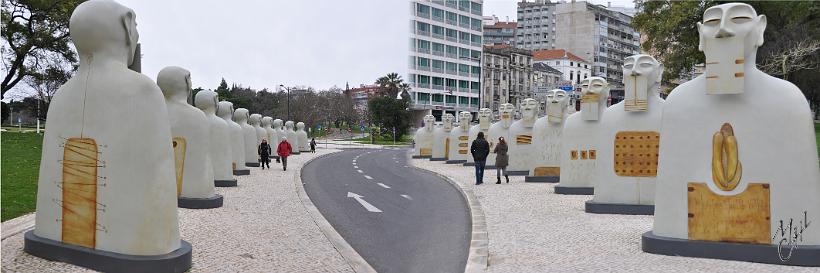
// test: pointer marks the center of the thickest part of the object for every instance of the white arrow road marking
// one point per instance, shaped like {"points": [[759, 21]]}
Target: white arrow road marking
{"points": [[383, 185], [364, 204], [368, 177], [407, 197], [360, 171], [355, 167]]}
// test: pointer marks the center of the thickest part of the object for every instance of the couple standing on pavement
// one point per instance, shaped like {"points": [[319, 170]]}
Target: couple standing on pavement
{"points": [[480, 148], [283, 150]]}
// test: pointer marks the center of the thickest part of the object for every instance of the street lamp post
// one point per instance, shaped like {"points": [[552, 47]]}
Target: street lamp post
{"points": [[288, 102]]}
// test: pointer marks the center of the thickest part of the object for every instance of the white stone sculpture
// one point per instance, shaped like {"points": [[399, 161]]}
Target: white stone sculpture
{"points": [[190, 139], [279, 133], [441, 138], [292, 138], [579, 140], [485, 116], [220, 134], [105, 188], [739, 168], [459, 140], [501, 128], [629, 142], [547, 135], [256, 121], [266, 124], [520, 140], [251, 153], [304, 145], [423, 139], [235, 139]]}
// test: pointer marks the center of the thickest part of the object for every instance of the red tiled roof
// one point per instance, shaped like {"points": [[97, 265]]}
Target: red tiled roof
{"points": [[503, 25], [553, 54], [502, 46]]}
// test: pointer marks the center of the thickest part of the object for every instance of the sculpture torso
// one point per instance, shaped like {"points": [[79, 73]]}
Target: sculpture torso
{"points": [[236, 139], [303, 137], [248, 135]]}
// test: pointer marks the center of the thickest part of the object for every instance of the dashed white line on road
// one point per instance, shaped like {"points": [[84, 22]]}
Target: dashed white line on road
{"points": [[368, 177], [407, 197], [383, 185], [360, 171], [355, 167]]}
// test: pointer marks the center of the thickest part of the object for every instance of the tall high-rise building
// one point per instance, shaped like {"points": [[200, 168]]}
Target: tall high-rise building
{"points": [[600, 35], [500, 33], [536, 25], [445, 45]]}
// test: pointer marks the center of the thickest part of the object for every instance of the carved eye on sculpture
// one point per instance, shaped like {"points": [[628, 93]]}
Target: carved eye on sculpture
{"points": [[711, 22], [741, 19], [647, 65], [629, 66]]}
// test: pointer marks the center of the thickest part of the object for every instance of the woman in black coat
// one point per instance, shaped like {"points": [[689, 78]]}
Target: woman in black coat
{"points": [[501, 160], [264, 154]]}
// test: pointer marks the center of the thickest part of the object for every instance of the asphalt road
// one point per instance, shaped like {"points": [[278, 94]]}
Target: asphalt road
{"points": [[406, 220]]}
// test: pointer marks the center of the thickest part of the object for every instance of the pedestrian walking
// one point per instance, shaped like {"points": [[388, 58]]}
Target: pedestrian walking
{"points": [[480, 149], [502, 159], [313, 145], [284, 150], [264, 154]]}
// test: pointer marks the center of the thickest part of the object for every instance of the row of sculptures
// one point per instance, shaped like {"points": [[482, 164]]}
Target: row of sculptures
{"points": [[727, 163]]}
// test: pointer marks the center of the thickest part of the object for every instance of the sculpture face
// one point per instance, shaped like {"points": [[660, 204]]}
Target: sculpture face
{"points": [[642, 75], [729, 37], [105, 30], [529, 109], [240, 115], [505, 110], [594, 92], [556, 105], [447, 121], [175, 83], [255, 119], [464, 119], [289, 125], [277, 124], [429, 121], [224, 109], [300, 126], [484, 118]]}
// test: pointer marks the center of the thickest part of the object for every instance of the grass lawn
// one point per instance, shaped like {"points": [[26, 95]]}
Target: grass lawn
{"points": [[20, 167], [405, 140]]}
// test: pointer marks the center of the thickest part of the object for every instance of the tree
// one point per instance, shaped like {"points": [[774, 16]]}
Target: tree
{"points": [[222, 90], [34, 31], [389, 112], [391, 85], [46, 84]]}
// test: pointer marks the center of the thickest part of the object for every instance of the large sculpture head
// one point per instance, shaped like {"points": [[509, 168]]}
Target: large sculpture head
{"points": [[485, 117], [529, 110], [300, 126], [505, 112], [289, 125], [556, 105], [104, 30], [447, 121], [642, 78], [255, 119], [429, 121], [277, 124], [594, 94], [175, 83], [224, 109], [464, 119], [266, 121], [241, 115], [206, 100], [729, 37]]}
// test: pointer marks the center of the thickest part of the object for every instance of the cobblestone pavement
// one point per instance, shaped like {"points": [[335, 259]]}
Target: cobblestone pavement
{"points": [[263, 227], [531, 229]]}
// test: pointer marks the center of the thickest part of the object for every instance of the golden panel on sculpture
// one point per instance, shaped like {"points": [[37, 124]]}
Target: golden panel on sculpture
{"points": [[592, 154], [583, 155], [547, 171], [79, 219], [523, 139], [635, 105], [179, 160], [425, 152], [741, 218], [636, 153], [573, 155], [463, 138], [463, 145], [462, 152], [726, 166], [590, 98], [446, 147]]}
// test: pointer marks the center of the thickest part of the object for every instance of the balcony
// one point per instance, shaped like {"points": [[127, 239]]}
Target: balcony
{"points": [[423, 14], [464, 24], [452, 72], [475, 75], [476, 27], [452, 22], [451, 54], [464, 90], [438, 53], [475, 11], [452, 39], [475, 43], [437, 70], [423, 68], [438, 18], [450, 89], [424, 50], [438, 87], [423, 32], [463, 41], [451, 104], [423, 85], [463, 74], [438, 35]]}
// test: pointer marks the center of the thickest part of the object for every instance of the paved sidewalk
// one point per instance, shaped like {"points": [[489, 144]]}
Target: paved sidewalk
{"points": [[263, 227], [531, 229]]}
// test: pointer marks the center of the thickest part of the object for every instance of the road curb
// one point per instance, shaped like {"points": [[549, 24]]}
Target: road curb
{"points": [[17, 225], [479, 252], [356, 262]]}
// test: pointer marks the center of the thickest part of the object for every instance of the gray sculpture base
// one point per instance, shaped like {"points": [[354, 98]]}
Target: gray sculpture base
{"points": [[470, 164], [611, 208], [438, 159], [200, 203], [295, 153], [241, 172], [801, 256], [486, 167], [542, 179], [274, 157], [455, 161], [251, 164], [177, 261], [421, 156], [516, 173], [575, 190], [225, 183]]}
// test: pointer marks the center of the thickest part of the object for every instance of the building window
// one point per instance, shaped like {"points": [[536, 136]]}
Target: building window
{"points": [[438, 98]]}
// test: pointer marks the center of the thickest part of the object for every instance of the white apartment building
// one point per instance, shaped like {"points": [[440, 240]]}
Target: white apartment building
{"points": [[445, 55], [573, 68]]}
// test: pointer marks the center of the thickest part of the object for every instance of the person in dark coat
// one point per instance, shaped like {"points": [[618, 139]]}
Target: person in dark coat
{"points": [[480, 148], [264, 154], [502, 159], [313, 145], [283, 150]]}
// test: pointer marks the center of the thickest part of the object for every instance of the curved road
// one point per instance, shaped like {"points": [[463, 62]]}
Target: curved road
{"points": [[398, 218]]}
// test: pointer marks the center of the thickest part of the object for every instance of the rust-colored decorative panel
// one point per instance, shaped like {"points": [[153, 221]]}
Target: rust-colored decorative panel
{"points": [[741, 218], [179, 160], [79, 185], [547, 171], [635, 105], [463, 145], [462, 152], [523, 139], [446, 147], [583, 155], [425, 151], [636, 153], [463, 138], [592, 154], [573, 155]]}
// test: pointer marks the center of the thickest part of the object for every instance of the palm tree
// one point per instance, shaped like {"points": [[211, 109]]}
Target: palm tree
{"points": [[391, 84]]}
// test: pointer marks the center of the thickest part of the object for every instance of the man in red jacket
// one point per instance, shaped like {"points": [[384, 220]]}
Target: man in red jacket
{"points": [[284, 149]]}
